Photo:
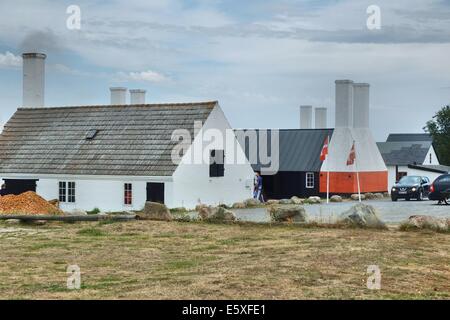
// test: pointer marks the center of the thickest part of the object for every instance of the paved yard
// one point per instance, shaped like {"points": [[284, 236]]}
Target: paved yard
{"points": [[390, 212]]}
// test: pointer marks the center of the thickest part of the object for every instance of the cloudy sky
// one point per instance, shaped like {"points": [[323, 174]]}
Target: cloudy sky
{"points": [[260, 58]]}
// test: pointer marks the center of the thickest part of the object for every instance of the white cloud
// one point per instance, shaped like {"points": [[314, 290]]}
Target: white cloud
{"points": [[142, 76], [9, 60]]}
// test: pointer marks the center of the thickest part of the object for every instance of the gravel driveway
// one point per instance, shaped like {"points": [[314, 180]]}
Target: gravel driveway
{"points": [[390, 212]]}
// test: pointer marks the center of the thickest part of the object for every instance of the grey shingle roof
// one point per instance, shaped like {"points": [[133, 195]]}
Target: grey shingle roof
{"points": [[299, 149], [132, 140], [409, 137], [405, 152], [433, 168]]}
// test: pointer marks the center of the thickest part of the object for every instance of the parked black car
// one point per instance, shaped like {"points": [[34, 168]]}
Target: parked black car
{"points": [[440, 189], [411, 187]]}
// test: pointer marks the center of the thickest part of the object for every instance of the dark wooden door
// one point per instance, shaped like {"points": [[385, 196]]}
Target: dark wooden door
{"points": [[155, 192], [18, 186]]}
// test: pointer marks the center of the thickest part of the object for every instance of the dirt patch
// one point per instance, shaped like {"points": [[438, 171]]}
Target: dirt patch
{"points": [[28, 203]]}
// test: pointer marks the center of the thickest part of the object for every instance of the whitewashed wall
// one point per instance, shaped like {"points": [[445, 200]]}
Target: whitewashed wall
{"points": [[411, 172], [192, 184]]}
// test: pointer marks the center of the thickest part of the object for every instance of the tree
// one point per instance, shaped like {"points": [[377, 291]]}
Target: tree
{"points": [[439, 129]]}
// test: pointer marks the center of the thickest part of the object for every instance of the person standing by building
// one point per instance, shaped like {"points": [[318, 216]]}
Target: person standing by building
{"points": [[258, 187]]}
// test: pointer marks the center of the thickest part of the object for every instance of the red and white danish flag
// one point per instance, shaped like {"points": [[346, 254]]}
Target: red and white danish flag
{"points": [[352, 156], [324, 153]]}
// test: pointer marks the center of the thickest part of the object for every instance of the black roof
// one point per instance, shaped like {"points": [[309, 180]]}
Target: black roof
{"points": [[299, 149], [404, 152], [409, 137]]}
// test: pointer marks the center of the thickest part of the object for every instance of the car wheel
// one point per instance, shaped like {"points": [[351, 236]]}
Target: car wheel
{"points": [[447, 200], [420, 196], [394, 199], [407, 198]]}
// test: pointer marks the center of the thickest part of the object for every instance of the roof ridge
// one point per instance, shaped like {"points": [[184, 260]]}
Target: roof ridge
{"points": [[177, 104]]}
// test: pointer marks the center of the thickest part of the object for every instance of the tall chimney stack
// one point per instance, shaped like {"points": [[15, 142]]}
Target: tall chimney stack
{"points": [[118, 95], [137, 96], [361, 105], [306, 117], [321, 118], [33, 79], [344, 103]]}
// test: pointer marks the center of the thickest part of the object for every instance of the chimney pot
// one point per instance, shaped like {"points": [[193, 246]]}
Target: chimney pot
{"points": [[344, 103], [306, 117], [321, 118], [118, 95], [137, 96], [33, 94], [361, 105]]}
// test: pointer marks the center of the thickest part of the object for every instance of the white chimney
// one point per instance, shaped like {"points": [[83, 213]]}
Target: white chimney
{"points": [[320, 118], [137, 96], [361, 92], [344, 103], [306, 117], [33, 79], [118, 95]]}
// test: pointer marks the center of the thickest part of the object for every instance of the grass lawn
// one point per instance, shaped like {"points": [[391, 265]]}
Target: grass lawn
{"points": [[159, 260]]}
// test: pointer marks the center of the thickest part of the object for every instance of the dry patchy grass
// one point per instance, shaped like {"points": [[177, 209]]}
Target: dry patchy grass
{"points": [[159, 260]]}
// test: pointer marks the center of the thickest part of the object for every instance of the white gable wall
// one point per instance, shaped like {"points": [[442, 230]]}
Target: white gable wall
{"points": [[191, 182], [434, 158], [411, 172]]}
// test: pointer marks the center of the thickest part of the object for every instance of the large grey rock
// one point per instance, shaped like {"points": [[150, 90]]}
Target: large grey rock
{"points": [[378, 196], [251, 202], [239, 205], [272, 202], [313, 200], [12, 221], [76, 213], [296, 200], [336, 198], [363, 216], [155, 211], [292, 213], [427, 222], [355, 197], [216, 214], [369, 196], [285, 201]]}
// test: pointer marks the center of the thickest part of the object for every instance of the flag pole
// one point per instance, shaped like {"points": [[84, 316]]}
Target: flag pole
{"points": [[328, 176], [357, 174]]}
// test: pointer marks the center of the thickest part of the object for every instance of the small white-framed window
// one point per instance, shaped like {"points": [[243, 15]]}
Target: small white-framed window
{"points": [[67, 191], [128, 194], [310, 180]]}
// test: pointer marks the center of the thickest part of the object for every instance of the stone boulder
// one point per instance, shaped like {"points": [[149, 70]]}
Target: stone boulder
{"points": [[313, 200], [362, 216], [12, 221], [272, 202], [285, 201], [239, 205], [427, 222], [155, 211], [369, 196], [296, 200], [336, 198], [378, 195], [292, 213], [251, 202], [355, 197], [216, 214]]}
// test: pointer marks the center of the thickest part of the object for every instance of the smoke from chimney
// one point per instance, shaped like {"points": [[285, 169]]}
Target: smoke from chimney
{"points": [[33, 91]]}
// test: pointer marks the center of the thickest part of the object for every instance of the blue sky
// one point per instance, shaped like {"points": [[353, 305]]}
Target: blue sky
{"points": [[260, 59]]}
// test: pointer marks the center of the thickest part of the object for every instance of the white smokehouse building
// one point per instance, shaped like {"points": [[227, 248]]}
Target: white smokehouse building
{"points": [[116, 157]]}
